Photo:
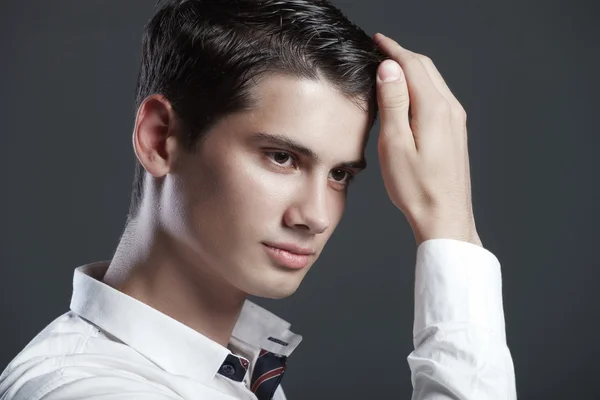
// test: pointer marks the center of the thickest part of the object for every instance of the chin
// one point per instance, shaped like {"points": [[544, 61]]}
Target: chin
{"points": [[277, 294], [275, 289]]}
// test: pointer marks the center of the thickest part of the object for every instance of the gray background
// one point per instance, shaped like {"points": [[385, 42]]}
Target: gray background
{"points": [[525, 71]]}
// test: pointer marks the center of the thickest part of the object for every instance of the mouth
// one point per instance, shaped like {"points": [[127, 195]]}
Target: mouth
{"points": [[287, 258]]}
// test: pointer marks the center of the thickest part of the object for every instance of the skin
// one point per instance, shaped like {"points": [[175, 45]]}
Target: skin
{"points": [[195, 251], [424, 161]]}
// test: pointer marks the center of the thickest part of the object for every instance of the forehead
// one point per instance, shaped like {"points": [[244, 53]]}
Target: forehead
{"points": [[312, 113]]}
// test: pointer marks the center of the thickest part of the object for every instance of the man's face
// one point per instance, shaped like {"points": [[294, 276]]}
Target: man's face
{"points": [[243, 189]]}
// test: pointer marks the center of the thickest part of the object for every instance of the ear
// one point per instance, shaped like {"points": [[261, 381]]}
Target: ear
{"points": [[154, 135]]}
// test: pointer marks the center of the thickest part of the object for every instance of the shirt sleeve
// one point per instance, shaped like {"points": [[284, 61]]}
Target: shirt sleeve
{"points": [[459, 333]]}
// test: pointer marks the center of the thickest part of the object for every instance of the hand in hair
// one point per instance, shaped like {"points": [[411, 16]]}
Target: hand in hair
{"points": [[423, 146]]}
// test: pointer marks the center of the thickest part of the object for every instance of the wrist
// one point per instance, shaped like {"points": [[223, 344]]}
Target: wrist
{"points": [[462, 229]]}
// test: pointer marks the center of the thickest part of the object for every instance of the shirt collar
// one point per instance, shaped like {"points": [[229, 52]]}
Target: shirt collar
{"points": [[146, 329]]}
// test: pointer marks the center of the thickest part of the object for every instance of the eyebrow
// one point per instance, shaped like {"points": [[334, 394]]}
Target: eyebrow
{"points": [[283, 141]]}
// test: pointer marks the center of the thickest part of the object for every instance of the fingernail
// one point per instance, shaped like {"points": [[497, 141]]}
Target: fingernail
{"points": [[389, 71]]}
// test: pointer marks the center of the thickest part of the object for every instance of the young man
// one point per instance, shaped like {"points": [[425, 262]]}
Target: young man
{"points": [[252, 118]]}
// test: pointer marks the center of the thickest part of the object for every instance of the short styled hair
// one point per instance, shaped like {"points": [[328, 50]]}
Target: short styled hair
{"points": [[203, 56]]}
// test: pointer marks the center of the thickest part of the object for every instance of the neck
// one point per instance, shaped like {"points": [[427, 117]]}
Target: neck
{"points": [[153, 268]]}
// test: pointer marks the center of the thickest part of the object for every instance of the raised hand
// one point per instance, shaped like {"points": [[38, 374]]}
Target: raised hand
{"points": [[424, 160]]}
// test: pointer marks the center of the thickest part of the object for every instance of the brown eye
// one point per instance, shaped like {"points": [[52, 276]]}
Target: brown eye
{"points": [[281, 157], [339, 175], [342, 177]]}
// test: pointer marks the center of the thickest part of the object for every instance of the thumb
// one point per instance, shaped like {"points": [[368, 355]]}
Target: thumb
{"points": [[393, 99]]}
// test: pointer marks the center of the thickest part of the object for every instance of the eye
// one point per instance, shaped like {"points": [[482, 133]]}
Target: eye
{"points": [[339, 175], [280, 157]]}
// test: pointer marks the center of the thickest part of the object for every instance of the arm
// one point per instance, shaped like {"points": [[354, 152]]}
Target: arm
{"points": [[459, 335]]}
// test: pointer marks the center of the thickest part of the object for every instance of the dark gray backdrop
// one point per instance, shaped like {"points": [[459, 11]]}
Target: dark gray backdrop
{"points": [[527, 74]]}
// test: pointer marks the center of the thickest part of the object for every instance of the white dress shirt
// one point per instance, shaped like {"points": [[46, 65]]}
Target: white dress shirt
{"points": [[110, 346]]}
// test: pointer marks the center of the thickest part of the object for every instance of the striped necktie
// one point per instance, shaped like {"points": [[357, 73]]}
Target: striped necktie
{"points": [[267, 374]]}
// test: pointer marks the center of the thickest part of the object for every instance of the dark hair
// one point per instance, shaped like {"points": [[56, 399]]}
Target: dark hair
{"points": [[203, 55]]}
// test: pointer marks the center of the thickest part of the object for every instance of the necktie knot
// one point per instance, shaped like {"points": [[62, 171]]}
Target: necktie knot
{"points": [[267, 374]]}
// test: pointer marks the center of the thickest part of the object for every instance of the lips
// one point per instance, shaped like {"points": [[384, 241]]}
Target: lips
{"points": [[287, 258], [292, 248]]}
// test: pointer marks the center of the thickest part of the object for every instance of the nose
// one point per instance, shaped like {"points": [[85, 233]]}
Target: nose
{"points": [[310, 211]]}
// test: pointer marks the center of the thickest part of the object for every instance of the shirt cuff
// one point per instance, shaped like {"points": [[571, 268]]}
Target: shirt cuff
{"points": [[457, 281]]}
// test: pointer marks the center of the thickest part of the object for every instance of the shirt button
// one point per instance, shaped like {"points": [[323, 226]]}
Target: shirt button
{"points": [[228, 369]]}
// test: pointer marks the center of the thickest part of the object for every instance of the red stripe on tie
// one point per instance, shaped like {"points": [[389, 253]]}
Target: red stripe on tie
{"points": [[266, 376], [262, 353]]}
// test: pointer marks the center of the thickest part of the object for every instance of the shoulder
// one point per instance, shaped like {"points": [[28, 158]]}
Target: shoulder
{"points": [[79, 384], [71, 358]]}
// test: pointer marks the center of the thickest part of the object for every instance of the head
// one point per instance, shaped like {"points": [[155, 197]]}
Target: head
{"points": [[252, 119]]}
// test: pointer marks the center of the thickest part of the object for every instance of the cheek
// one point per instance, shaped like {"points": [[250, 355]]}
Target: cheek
{"points": [[261, 187], [241, 190], [337, 205]]}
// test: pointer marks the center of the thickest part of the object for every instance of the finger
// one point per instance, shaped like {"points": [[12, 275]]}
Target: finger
{"points": [[393, 101], [424, 95], [440, 83]]}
